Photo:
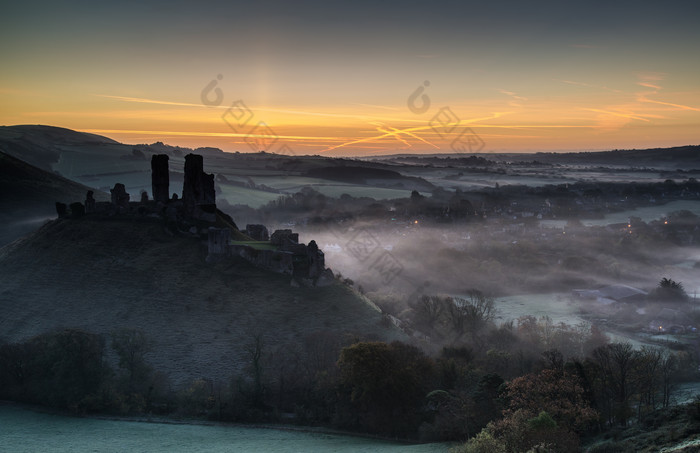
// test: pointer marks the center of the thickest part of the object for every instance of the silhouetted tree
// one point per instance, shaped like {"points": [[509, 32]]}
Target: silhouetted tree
{"points": [[616, 379], [669, 291], [64, 368], [386, 384]]}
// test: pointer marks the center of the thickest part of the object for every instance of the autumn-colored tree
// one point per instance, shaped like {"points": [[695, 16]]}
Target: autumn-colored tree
{"points": [[558, 393], [546, 409]]}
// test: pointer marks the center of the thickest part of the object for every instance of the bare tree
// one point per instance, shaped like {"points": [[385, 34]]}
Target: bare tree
{"points": [[429, 309], [131, 345], [669, 365], [617, 363], [255, 352], [647, 369], [470, 313]]}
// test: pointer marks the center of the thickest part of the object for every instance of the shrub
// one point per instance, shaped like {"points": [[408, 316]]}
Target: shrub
{"points": [[484, 442]]}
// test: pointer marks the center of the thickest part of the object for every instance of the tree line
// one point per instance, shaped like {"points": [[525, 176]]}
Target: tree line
{"points": [[509, 387]]}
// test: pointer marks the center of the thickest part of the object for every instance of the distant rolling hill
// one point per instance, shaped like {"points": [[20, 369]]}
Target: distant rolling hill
{"points": [[370, 175], [679, 157], [28, 196], [100, 274], [41, 145]]}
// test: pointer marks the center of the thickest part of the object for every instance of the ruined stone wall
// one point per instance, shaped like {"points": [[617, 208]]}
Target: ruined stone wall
{"points": [[257, 232], [218, 244], [277, 261], [305, 263], [120, 198]]}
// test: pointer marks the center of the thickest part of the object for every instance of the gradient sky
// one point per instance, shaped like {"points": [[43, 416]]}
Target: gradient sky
{"points": [[334, 78]]}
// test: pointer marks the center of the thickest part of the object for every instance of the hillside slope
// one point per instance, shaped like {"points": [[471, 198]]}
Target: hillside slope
{"points": [[41, 145], [100, 274], [28, 196]]}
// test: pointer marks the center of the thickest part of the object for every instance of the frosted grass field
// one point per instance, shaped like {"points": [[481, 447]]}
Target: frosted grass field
{"points": [[555, 305], [22, 430]]}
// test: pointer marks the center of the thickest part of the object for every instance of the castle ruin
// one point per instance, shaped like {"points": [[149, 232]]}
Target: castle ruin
{"points": [[195, 214]]}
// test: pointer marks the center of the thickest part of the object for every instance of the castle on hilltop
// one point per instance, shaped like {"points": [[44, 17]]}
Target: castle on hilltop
{"points": [[195, 214]]}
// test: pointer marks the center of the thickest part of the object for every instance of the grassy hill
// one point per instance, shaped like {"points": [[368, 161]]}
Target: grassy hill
{"points": [[41, 145], [102, 274], [29, 195]]}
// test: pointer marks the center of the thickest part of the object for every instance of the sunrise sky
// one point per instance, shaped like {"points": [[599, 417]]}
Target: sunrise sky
{"points": [[334, 78]]}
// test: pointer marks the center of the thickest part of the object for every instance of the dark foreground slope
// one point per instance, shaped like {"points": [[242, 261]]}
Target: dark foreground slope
{"points": [[100, 275], [28, 195]]}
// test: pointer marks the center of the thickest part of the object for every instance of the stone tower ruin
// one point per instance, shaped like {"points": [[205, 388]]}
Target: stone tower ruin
{"points": [[160, 178], [198, 192]]}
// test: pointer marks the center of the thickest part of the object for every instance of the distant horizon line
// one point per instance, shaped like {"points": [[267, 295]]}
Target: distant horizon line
{"points": [[100, 133]]}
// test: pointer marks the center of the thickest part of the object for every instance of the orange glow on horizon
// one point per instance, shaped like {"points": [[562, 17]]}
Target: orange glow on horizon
{"points": [[504, 120]]}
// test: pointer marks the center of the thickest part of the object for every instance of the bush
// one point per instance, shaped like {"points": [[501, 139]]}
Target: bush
{"points": [[484, 442], [198, 399]]}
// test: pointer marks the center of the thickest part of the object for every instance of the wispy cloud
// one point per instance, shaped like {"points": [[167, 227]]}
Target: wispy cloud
{"points": [[262, 109], [512, 94], [573, 82], [649, 85], [373, 106], [588, 85], [394, 133], [620, 114], [397, 132], [670, 104], [651, 80], [208, 134], [516, 99], [147, 101]]}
